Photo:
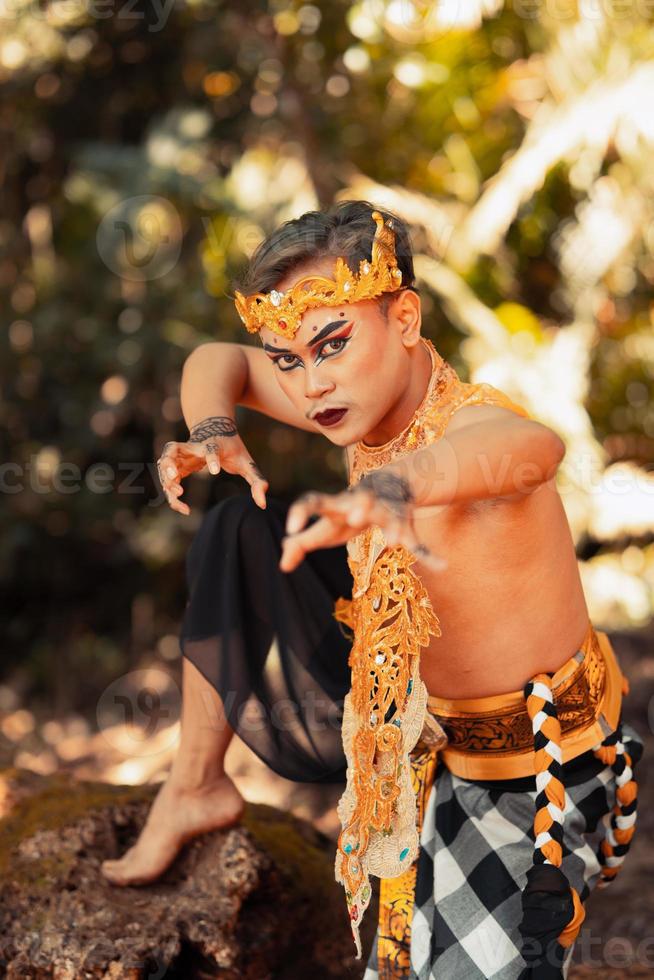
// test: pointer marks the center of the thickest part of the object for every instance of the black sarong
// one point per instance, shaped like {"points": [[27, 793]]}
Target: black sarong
{"points": [[267, 640]]}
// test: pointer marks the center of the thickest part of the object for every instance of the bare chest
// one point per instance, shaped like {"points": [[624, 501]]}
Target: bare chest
{"points": [[510, 602]]}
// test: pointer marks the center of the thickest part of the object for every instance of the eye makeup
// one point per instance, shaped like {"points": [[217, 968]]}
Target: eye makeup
{"points": [[342, 339]]}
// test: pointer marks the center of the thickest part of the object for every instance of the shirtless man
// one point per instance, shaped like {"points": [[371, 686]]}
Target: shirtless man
{"points": [[492, 878], [504, 534]]}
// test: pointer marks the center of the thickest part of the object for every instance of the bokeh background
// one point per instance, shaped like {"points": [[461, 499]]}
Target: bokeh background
{"points": [[145, 150]]}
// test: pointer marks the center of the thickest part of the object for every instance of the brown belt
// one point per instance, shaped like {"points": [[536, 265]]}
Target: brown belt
{"points": [[492, 738]]}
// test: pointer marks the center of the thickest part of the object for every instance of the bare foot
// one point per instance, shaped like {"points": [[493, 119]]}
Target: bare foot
{"points": [[177, 814]]}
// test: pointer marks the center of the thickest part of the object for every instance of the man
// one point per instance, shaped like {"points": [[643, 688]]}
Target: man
{"points": [[452, 506]]}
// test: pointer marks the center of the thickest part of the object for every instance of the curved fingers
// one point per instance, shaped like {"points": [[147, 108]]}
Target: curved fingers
{"points": [[253, 475], [169, 477], [211, 456], [325, 533], [344, 504]]}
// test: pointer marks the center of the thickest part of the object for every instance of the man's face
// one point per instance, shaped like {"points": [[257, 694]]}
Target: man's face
{"points": [[342, 357]]}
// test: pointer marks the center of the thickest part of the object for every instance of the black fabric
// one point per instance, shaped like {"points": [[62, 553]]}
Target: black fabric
{"points": [[267, 640], [547, 908]]}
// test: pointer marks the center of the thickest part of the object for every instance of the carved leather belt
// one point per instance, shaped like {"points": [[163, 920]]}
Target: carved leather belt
{"points": [[491, 737]]}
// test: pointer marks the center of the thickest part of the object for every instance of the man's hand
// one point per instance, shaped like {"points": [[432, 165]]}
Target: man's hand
{"points": [[379, 498], [216, 444]]}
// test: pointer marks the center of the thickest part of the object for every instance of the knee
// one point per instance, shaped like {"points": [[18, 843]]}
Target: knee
{"points": [[239, 512], [236, 523], [235, 508]]}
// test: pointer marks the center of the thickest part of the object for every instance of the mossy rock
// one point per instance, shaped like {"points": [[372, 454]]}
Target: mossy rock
{"points": [[257, 900]]}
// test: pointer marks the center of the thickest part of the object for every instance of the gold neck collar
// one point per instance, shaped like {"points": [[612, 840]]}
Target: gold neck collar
{"points": [[404, 440]]}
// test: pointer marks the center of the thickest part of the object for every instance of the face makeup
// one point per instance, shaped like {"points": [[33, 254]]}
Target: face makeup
{"points": [[331, 417]]}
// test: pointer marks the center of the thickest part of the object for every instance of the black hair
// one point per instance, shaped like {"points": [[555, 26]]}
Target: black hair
{"points": [[346, 229]]}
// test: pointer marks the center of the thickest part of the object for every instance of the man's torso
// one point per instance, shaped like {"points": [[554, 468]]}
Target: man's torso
{"points": [[510, 603]]}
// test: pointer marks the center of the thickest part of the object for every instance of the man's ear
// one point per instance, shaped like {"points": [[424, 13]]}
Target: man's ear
{"points": [[406, 312]]}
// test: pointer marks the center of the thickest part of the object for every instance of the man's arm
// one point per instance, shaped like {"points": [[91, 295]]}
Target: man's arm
{"points": [[486, 451], [218, 376], [213, 381]]}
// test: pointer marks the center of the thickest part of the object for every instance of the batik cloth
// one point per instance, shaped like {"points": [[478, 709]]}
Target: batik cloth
{"points": [[476, 847], [458, 913]]}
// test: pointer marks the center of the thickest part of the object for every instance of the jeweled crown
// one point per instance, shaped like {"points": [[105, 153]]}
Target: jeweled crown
{"points": [[282, 312]]}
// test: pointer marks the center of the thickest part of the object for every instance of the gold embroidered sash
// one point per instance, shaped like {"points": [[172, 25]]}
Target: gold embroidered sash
{"points": [[392, 618]]}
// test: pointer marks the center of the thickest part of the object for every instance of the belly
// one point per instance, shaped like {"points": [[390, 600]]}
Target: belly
{"points": [[500, 651], [510, 603]]}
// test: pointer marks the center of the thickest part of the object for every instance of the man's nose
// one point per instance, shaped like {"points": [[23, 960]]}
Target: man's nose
{"points": [[316, 383]]}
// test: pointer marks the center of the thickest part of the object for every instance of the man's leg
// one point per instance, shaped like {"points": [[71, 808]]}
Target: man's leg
{"points": [[239, 602], [196, 797]]}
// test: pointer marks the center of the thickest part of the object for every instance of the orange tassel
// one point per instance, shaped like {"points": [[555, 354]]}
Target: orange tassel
{"points": [[571, 931]]}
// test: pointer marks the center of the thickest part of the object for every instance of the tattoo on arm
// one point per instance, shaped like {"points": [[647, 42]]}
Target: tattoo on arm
{"points": [[396, 492], [389, 487], [217, 425]]}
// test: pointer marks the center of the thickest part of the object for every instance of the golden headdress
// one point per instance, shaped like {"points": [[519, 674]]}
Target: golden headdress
{"points": [[281, 312]]}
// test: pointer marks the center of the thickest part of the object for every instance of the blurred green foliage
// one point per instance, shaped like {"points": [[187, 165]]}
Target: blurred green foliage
{"points": [[185, 106]]}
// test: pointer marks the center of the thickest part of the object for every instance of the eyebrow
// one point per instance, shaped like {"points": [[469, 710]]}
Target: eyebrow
{"points": [[334, 325]]}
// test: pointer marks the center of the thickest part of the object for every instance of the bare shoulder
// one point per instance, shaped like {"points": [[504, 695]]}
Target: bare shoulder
{"points": [[470, 414]]}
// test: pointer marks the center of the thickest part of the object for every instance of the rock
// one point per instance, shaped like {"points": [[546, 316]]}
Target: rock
{"points": [[254, 901]]}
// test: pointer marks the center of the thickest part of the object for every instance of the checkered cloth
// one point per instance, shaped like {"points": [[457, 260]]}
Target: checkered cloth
{"points": [[476, 847]]}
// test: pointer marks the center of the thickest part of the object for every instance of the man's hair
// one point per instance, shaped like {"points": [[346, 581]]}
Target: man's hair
{"points": [[346, 229]]}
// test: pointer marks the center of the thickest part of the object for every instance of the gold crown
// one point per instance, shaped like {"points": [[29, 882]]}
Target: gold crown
{"points": [[282, 311]]}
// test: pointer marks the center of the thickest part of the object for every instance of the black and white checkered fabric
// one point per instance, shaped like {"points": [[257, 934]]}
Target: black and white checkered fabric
{"points": [[476, 847]]}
